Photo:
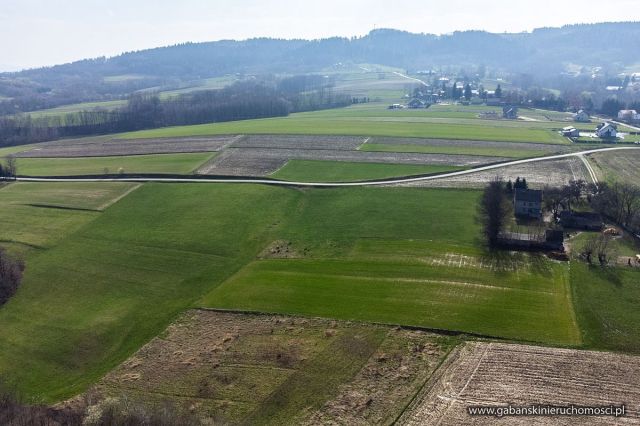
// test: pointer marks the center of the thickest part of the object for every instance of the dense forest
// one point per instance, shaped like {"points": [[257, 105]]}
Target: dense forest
{"points": [[239, 101], [548, 51]]}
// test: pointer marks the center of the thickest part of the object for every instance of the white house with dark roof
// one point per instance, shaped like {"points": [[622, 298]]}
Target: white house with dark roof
{"points": [[527, 203], [582, 117], [606, 131]]}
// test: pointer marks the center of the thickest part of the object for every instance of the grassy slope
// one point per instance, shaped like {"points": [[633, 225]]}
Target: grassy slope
{"points": [[338, 171], [607, 303], [88, 303], [39, 215], [159, 163], [341, 279]]}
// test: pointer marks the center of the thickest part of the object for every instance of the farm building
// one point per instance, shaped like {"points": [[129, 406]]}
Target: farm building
{"points": [[416, 103], [528, 203], [628, 115], [552, 239], [606, 131], [510, 112], [582, 117], [570, 132], [581, 220]]}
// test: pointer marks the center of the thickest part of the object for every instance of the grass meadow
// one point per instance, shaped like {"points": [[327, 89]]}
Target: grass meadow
{"points": [[342, 171], [117, 278], [156, 163], [439, 122]]}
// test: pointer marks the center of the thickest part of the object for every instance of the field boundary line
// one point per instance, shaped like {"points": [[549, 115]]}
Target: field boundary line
{"points": [[590, 170], [118, 198], [379, 182], [447, 361]]}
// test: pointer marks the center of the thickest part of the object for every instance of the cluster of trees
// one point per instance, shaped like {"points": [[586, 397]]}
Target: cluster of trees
{"points": [[617, 201], [9, 169], [10, 276], [106, 412], [598, 246], [240, 101]]}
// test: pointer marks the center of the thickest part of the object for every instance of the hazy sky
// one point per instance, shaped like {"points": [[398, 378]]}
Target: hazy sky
{"points": [[46, 32]]}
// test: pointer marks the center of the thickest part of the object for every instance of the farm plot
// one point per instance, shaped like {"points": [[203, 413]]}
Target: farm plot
{"points": [[383, 255], [348, 143], [607, 306], [159, 163], [343, 171], [372, 120], [496, 374], [96, 296], [622, 166], [538, 174], [38, 215], [105, 146], [462, 147], [247, 369], [262, 161]]}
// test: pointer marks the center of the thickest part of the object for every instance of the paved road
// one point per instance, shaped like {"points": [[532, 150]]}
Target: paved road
{"points": [[232, 179]]}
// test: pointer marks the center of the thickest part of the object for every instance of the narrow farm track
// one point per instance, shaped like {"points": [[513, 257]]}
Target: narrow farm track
{"points": [[379, 182], [592, 172]]}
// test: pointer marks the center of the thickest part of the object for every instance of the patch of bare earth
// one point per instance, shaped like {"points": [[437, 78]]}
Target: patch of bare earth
{"points": [[264, 161], [281, 249], [538, 175], [379, 392], [101, 147], [497, 374], [224, 366]]}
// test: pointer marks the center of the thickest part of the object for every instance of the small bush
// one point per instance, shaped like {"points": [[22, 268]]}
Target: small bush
{"points": [[10, 276]]}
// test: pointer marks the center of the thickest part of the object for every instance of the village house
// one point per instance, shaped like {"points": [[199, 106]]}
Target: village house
{"points": [[527, 203], [570, 132], [510, 112], [416, 103], [606, 131], [628, 115], [582, 117]]}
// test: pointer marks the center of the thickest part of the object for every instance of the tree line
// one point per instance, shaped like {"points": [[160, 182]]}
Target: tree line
{"points": [[240, 101], [10, 276]]}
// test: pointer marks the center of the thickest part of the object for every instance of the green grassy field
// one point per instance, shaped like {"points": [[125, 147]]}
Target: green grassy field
{"points": [[120, 277], [607, 306], [36, 216], [158, 163], [351, 261], [340, 171], [376, 120], [455, 150], [94, 298]]}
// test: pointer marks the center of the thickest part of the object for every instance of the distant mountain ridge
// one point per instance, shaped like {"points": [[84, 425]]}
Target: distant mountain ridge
{"points": [[584, 44], [542, 54]]}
